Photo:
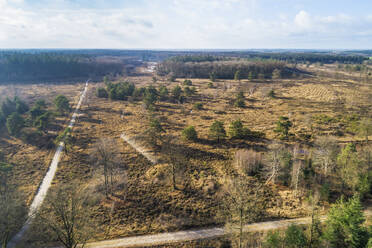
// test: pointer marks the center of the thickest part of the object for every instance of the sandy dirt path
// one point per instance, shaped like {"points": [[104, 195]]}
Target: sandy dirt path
{"points": [[47, 180], [182, 236]]}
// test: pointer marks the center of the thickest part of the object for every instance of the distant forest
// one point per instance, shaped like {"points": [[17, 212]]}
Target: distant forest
{"points": [[27, 67], [224, 69], [43, 65]]}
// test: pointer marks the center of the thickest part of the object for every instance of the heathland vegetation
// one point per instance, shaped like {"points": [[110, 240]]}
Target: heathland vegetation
{"points": [[205, 141]]}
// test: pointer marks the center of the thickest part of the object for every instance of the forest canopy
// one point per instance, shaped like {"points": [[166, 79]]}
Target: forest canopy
{"points": [[16, 67], [224, 69]]}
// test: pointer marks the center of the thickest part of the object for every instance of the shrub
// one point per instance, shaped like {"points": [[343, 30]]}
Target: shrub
{"points": [[247, 162], [150, 96], [102, 93], [14, 123], [36, 111], [189, 133], [163, 93], [271, 93], [42, 121], [121, 90], [240, 100], [62, 104], [239, 103], [187, 82], [282, 126], [212, 76], [188, 91], [236, 130], [273, 240], [171, 77], [210, 85], [237, 75], [198, 106], [217, 131], [8, 107], [177, 93], [21, 106], [40, 103], [295, 237]]}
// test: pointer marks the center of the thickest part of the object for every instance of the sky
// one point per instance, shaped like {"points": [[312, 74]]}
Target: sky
{"points": [[186, 24]]}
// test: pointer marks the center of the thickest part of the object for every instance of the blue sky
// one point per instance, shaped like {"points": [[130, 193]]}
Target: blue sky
{"points": [[186, 24]]}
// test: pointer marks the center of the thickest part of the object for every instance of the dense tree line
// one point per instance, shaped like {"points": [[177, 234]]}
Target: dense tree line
{"points": [[52, 66], [225, 69], [325, 58]]}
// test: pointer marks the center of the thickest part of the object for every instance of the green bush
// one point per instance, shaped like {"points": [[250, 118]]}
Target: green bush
{"points": [[198, 106], [21, 106], [163, 93], [102, 93], [282, 126], [273, 239], [236, 130], [177, 93], [295, 237], [187, 82], [15, 123], [217, 131], [8, 107], [239, 103], [188, 91], [189, 133], [210, 85], [121, 90], [62, 104], [212, 77], [36, 111], [271, 93], [43, 121], [240, 100]]}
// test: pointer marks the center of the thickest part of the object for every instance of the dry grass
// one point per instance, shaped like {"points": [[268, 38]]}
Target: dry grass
{"points": [[149, 204]]}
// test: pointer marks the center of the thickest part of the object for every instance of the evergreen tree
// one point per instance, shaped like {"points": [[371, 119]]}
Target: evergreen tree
{"points": [[14, 123], [217, 131], [62, 104], [344, 225], [189, 133], [282, 126]]}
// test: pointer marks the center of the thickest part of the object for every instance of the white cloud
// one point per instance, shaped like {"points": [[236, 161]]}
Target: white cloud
{"points": [[180, 24], [303, 20]]}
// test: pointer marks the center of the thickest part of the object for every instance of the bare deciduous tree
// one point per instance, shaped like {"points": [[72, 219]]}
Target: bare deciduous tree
{"points": [[247, 162], [174, 157], [296, 174], [105, 154], [243, 204], [325, 154], [66, 218], [274, 162]]}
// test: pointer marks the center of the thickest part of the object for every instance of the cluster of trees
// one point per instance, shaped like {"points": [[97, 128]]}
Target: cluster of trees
{"points": [[218, 132], [344, 227], [310, 57], [16, 114], [16, 66], [149, 95], [234, 69]]}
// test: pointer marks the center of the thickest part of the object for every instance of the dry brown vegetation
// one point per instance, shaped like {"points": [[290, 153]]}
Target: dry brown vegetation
{"points": [[143, 200]]}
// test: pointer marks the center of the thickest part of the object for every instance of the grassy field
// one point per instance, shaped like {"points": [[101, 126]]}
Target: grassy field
{"points": [[144, 201]]}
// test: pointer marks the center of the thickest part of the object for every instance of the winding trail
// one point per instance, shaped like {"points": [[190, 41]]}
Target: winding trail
{"points": [[47, 181], [182, 236]]}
